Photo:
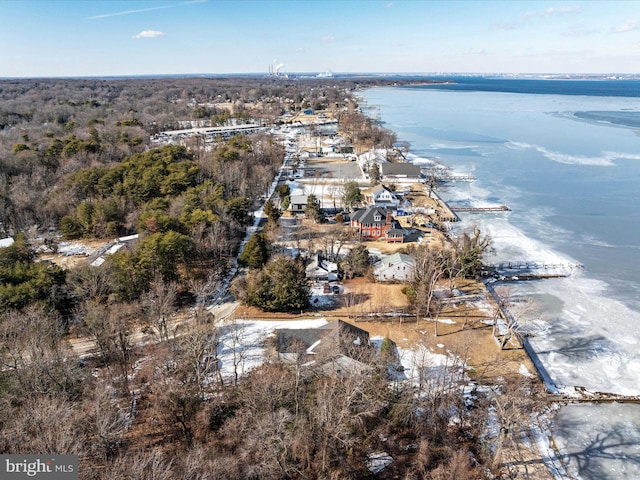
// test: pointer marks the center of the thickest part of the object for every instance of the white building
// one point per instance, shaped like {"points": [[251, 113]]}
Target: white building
{"points": [[320, 269], [397, 267], [381, 196]]}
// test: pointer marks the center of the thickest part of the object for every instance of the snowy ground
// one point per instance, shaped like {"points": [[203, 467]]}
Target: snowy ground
{"points": [[242, 342], [242, 345], [69, 248]]}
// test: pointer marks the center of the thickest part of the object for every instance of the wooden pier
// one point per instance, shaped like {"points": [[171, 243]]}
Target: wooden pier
{"points": [[497, 208], [515, 271], [456, 178]]}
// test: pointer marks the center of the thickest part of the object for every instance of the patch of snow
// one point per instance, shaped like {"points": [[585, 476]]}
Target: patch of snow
{"points": [[6, 242], [378, 461], [447, 321], [523, 370], [242, 342], [319, 298], [427, 369], [97, 262], [69, 249]]}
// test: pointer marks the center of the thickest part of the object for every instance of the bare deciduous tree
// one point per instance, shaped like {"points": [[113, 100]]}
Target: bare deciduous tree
{"points": [[159, 304]]}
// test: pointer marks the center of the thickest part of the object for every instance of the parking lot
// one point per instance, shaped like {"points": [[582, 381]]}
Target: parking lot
{"points": [[333, 167]]}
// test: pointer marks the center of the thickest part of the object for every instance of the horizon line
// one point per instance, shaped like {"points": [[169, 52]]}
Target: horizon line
{"points": [[322, 75]]}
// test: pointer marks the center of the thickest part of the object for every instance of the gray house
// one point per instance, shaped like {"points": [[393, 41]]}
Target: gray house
{"points": [[400, 171], [381, 196], [329, 344], [298, 204]]}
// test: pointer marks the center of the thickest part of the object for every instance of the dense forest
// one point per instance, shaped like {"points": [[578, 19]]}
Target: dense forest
{"points": [[77, 162]]}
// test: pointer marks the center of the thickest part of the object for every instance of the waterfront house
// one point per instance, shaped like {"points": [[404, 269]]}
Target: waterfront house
{"points": [[381, 196], [376, 223], [331, 343], [400, 171]]}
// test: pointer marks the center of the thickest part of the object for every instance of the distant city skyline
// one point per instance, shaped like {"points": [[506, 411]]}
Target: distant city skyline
{"points": [[113, 38]]}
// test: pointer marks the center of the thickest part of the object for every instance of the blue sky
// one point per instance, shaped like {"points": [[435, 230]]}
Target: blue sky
{"points": [[94, 37]]}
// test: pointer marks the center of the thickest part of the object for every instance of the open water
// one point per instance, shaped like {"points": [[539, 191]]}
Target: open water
{"points": [[565, 157]]}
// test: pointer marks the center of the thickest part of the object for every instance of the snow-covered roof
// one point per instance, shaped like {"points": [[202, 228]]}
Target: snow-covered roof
{"points": [[396, 258]]}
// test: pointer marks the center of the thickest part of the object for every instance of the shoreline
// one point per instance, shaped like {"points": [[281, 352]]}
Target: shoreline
{"points": [[569, 367]]}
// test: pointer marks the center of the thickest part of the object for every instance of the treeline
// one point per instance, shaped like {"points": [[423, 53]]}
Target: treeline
{"points": [[76, 160], [50, 129]]}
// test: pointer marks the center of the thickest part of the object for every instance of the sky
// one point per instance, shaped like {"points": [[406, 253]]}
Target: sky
{"points": [[69, 38]]}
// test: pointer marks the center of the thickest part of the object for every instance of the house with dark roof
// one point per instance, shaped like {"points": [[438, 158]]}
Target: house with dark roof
{"points": [[328, 343], [376, 223], [400, 171], [298, 203]]}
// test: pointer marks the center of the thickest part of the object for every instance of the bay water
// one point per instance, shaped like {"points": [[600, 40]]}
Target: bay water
{"points": [[564, 156]]}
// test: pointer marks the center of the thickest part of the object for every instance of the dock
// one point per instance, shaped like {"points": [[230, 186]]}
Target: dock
{"points": [[515, 271], [497, 208], [456, 178]]}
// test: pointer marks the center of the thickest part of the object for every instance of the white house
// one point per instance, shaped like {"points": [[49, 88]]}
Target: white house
{"points": [[381, 196], [375, 156], [397, 267], [320, 269]]}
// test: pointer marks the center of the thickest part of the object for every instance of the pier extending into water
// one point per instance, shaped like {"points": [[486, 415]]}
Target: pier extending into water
{"points": [[456, 178], [522, 270], [497, 208]]}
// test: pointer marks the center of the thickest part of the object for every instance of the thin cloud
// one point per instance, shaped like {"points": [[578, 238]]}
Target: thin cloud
{"points": [[580, 31], [552, 11], [561, 10], [530, 16], [502, 26], [627, 27], [149, 34], [328, 38], [141, 10]]}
